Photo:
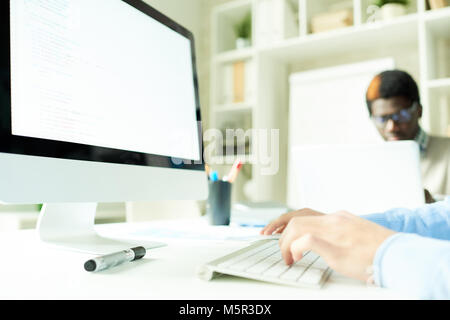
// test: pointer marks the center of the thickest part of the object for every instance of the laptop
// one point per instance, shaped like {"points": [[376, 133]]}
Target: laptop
{"points": [[360, 179]]}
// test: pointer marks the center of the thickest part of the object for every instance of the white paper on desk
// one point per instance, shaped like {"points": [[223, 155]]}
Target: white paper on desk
{"points": [[256, 214], [212, 233]]}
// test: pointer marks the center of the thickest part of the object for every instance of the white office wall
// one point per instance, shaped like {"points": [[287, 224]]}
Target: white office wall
{"points": [[188, 13]]}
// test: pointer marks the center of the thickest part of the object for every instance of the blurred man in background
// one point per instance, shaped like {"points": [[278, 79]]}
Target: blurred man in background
{"points": [[394, 105]]}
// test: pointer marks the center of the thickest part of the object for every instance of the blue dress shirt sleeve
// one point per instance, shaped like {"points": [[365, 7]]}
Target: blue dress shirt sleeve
{"points": [[418, 266], [417, 258], [431, 220]]}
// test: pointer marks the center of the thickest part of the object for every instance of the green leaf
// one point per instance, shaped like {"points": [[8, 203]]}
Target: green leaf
{"points": [[244, 28], [381, 3]]}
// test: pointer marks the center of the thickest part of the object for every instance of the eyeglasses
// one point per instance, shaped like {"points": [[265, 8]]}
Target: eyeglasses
{"points": [[403, 116]]}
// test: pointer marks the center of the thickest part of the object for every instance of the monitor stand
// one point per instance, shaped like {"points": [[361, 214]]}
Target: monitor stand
{"points": [[71, 226]]}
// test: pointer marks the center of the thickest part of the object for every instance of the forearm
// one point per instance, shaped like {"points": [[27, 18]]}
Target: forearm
{"points": [[417, 265], [429, 221]]}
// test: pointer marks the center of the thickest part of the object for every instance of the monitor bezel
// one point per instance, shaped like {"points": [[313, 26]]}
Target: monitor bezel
{"points": [[28, 146]]}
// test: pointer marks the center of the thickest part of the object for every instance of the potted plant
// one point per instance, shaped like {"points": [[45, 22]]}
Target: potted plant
{"points": [[243, 32], [391, 8]]}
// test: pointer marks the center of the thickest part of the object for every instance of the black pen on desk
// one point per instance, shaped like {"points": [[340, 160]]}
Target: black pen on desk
{"points": [[114, 259]]}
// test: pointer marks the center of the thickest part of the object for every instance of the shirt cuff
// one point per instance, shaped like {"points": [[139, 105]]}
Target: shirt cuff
{"points": [[415, 265], [377, 274]]}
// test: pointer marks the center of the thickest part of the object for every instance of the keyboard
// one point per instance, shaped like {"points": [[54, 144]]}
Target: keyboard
{"points": [[262, 261]]}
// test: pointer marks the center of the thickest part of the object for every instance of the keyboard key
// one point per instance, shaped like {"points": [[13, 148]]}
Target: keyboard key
{"points": [[244, 255], [308, 259], [263, 265], [293, 272], [277, 269], [311, 276], [254, 259], [320, 264], [265, 260]]}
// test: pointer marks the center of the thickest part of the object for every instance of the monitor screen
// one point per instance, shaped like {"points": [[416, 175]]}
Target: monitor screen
{"points": [[102, 73]]}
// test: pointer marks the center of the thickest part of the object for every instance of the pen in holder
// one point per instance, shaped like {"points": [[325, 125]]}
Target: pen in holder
{"points": [[219, 202]]}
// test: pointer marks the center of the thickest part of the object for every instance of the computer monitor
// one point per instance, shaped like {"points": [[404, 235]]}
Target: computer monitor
{"points": [[99, 102]]}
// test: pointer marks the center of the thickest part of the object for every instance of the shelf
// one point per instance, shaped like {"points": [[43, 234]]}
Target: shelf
{"points": [[227, 16], [235, 107], [437, 14], [437, 26], [439, 84], [275, 20], [438, 21], [232, 7], [234, 84], [234, 55], [339, 41]]}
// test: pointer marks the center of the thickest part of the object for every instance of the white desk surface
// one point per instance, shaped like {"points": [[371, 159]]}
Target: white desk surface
{"points": [[31, 269]]}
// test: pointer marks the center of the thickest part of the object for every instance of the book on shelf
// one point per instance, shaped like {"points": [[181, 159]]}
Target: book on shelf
{"points": [[275, 21], [437, 4], [331, 20], [237, 82], [249, 82], [227, 84]]}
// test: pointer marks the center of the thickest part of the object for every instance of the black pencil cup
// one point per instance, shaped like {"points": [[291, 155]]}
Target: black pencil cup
{"points": [[219, 203]]}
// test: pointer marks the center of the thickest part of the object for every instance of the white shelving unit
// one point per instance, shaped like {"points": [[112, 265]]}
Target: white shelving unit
{"points": [[419, 42]]}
